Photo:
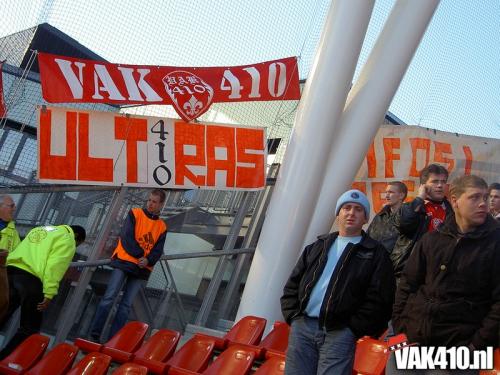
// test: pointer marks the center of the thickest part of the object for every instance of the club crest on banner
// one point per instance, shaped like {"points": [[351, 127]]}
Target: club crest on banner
{"points": [[190, 95]]}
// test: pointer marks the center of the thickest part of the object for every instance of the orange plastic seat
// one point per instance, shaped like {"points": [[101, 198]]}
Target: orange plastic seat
{"points": [[193, 356], [236, 359], [371, 356], [121, 346], [92, 364], [247, 331], [131, 369], [159, 348], [57, 362], [275, 365], [496, 365], [25, 355], [276, 342]]}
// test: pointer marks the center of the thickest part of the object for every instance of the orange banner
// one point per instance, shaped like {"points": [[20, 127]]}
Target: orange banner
{"points": [[401, 152], [104, 148]]}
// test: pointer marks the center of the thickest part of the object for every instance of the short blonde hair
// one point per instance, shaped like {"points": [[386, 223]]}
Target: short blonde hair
{"points": [[460, 184]]}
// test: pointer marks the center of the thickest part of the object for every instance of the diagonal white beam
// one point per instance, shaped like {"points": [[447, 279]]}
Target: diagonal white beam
{"points": [[367, 103], [299, 181]]}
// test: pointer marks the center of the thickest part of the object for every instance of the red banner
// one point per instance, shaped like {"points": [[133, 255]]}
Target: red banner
{"points": [[191, 91], [3, 111]]}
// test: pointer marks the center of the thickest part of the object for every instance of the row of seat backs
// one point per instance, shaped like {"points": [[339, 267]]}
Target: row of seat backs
{"points": [[128, 345], [233, 361], [27, 359], [370, 359]]}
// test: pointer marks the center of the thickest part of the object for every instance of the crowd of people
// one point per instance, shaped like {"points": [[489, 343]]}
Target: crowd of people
{"points": [[428, 268]]}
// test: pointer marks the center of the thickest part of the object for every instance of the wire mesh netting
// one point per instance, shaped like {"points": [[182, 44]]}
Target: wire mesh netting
{"points": [[453, 84]]}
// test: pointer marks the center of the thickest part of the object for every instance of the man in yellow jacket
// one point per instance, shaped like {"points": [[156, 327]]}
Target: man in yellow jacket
{"points": [[35, 268], [9, 239]]}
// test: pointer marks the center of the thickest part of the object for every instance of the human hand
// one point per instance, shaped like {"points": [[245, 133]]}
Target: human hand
{"points": [[422, 191], [143, 262], [3, 256], [44, 304]]}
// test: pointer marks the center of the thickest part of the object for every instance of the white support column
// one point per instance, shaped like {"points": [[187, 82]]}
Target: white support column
{"points": [[300, 177], [368, 102]]}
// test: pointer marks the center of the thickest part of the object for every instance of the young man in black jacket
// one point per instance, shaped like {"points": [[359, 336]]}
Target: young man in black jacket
{"points": [[449, 293], [423, 214], [342, 288]]}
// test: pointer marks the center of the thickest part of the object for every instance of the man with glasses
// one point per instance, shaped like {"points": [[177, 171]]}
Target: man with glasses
{"points": [[423, 214], [9, 239]]}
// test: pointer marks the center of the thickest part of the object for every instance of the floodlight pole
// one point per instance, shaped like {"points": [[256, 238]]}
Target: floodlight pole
{"points": [[301, 175], [368, 102]]}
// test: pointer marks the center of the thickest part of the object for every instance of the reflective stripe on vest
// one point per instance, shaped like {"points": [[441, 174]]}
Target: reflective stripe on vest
{"points": [[147, 232]]}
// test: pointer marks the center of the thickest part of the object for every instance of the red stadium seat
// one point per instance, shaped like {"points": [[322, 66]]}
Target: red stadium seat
{"points": [[193, 356], [121, 346], [496, 365], [371, 356], [247, 331], [25, 355], [57, 362], [275, 365], [160, 346], [158, 349], [236, 359], [92, 364], [131, 369], [275, 343]]}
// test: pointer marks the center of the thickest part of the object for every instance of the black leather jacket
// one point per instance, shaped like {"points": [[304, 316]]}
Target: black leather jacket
{"points": [[412, 222], [360, 292]]}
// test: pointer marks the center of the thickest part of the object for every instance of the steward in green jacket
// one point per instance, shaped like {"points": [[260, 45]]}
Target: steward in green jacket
{"points": [[34, 269]]}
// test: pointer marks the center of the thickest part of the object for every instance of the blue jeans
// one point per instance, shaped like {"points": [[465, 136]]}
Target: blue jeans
{"points": [[119, 280], [312, 350]]}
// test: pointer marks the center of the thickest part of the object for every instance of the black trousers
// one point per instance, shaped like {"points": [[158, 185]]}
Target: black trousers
{"points": [[25, 290]]}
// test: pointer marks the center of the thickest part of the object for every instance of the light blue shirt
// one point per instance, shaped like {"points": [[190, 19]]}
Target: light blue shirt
{"points": [[318, 293]]}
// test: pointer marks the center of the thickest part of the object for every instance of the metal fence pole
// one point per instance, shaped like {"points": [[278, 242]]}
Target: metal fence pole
{"points": [[72, 303], [214, 285], [243, 260]]}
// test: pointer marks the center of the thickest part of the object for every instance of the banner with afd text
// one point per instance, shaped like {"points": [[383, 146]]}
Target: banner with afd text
{"points": [[401, 152], [191, 91], [106, 148]]}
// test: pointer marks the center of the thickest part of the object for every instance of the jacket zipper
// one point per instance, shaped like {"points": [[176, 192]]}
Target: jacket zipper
{"points": [[309, 283], [336, 281]]}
